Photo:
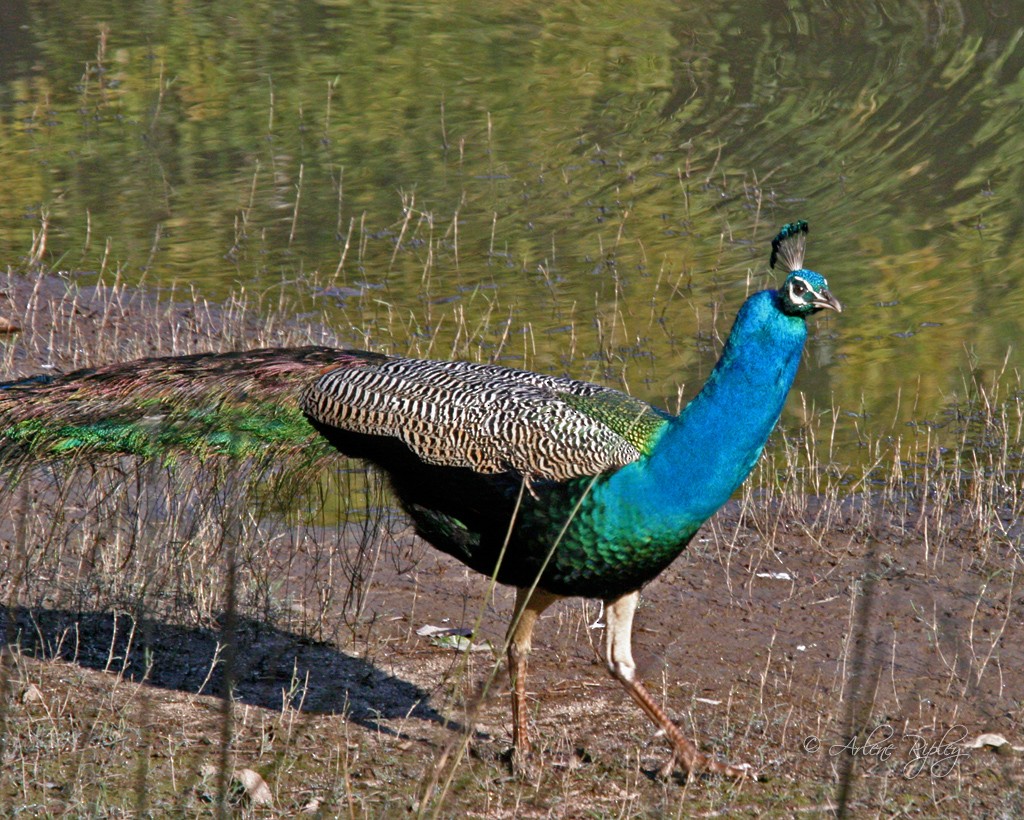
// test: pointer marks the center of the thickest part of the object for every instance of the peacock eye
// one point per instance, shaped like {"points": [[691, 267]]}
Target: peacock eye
{"points": [[799, 288]]}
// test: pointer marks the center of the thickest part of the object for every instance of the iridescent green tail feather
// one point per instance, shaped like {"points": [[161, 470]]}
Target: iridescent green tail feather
{"points": [[234, 404]]}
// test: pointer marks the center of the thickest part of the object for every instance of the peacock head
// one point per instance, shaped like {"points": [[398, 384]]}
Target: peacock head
{"points": [[805, 291]]}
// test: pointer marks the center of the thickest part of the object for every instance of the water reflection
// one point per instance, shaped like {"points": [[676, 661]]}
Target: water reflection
{"points": [[585, 186]]}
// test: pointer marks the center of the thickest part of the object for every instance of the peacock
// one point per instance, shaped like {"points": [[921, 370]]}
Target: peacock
{"points": [[555, 486]]}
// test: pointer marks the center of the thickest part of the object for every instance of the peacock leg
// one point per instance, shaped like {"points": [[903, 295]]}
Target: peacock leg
{"points": [[520, 632], [618, 615]]}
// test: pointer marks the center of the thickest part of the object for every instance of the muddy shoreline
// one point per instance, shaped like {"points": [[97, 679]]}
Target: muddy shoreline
{"points": [[800, 648]]}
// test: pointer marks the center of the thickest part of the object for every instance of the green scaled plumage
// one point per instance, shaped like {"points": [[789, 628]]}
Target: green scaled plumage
{"points": [[636, 421]]}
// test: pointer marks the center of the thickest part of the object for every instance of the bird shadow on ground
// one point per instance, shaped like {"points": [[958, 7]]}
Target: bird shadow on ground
{"points": [[272, 668]]}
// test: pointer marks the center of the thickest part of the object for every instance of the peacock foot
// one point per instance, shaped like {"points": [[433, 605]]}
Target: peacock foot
{"points": [[526, 765], [694, 763], [529, 765]]}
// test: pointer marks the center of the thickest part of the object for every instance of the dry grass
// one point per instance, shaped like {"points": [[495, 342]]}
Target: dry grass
{"points": [[174, 628]]}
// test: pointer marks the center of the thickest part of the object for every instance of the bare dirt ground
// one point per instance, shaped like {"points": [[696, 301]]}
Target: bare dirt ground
{"points": [[872, 667]]}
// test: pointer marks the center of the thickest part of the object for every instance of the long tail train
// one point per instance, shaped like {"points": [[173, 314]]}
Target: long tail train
{"points": [[236, 404]]}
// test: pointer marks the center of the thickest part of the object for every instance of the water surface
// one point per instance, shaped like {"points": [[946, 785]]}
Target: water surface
{"points": [[583, 187]]}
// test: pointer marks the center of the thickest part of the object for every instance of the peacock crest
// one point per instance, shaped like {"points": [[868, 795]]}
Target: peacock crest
{"points": [[789, 246]]}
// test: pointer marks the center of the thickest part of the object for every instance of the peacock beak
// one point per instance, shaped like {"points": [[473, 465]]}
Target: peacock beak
{"points": [[825, 299]]}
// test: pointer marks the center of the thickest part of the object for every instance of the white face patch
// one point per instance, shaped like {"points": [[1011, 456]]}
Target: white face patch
{"points": [[798, 290]]}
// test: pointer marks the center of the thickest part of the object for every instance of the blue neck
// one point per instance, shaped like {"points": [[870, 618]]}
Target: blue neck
{"points": [[705, 453]]}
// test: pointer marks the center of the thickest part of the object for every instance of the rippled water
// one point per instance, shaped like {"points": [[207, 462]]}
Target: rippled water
{"points": [[587, 187]]}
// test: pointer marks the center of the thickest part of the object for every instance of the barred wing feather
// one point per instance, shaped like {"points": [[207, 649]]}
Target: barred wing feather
{"points": [[488, 418]]}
